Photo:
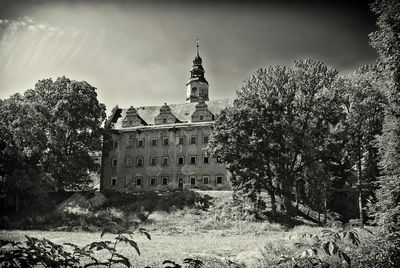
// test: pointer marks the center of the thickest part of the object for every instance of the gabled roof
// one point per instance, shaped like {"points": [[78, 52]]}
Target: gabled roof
{"points": [[182, 111]]}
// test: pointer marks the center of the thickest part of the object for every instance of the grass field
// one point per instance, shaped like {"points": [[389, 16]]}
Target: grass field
{"points": [[183, 228], [214, 248]]}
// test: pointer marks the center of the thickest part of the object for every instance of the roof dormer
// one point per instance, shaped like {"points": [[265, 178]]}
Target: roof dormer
{"points": [[165, 116]]}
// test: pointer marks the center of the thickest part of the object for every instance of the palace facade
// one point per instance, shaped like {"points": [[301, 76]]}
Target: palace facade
{"points": [[163, 147]]}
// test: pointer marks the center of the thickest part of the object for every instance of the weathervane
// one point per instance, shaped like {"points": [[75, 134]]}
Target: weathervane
{"points": [[197, 41]]}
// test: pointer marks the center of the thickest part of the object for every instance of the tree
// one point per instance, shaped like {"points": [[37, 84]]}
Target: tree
{"points": [[22, 144], [74, 117], [365, 104], [274, 129], [386, 40], [52, 131]]}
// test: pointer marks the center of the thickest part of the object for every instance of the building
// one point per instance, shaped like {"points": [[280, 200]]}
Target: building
{"points": [[163, 147]]}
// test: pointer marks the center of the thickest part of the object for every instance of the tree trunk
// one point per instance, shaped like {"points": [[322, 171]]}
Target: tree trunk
{"points": [[297, 196], [359, 166], [287, 203], [325, 211], [273, 201]]}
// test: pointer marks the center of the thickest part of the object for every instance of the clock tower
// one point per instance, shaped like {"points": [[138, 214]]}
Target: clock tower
{"points": [[197, 86]]}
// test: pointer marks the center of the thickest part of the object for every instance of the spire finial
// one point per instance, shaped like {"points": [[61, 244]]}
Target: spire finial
{"points": [[197, 41]]}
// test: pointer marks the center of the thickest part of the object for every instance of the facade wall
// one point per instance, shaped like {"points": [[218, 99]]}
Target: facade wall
{"points": [[125, 151]]}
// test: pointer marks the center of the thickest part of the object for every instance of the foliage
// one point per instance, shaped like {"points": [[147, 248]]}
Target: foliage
{"points": [[329, 244], [48, 136], [276, 129], [386, 40]]}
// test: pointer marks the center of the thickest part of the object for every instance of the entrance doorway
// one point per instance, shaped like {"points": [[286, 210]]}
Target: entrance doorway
{"points": [[180, 183]]}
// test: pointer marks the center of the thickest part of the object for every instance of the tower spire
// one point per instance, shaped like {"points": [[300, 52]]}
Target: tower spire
{"points": [[197, 86], [197, 46]]}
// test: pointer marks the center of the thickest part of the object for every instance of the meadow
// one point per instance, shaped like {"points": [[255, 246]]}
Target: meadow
{"points": [[202, 225]]}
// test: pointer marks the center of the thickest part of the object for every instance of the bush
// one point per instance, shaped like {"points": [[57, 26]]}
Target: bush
{"points": [[375, 251]]}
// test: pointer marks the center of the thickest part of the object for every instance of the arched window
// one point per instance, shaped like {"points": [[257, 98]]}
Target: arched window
{"points": [[194, 90]]}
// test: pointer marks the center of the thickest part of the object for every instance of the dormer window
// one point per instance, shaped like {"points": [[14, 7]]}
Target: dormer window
{"points": [[201, 117], [164, 120]]}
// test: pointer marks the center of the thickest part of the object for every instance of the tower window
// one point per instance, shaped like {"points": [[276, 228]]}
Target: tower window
{"points": [[194, 90]]}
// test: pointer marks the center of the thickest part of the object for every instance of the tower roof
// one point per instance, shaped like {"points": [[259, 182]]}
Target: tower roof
{"points": [[197, 70]]}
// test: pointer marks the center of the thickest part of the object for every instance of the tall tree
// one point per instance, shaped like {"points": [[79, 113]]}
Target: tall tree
{"points": [[269, 136], [386, 40], [365, 104], [62, 127]]}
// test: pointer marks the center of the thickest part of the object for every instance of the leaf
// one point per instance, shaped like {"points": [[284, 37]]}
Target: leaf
{"points": [[144, 232]]}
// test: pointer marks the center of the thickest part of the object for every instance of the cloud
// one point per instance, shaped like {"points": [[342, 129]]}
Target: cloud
{"points": [[28, 23]]}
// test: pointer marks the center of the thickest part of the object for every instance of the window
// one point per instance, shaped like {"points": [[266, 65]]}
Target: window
{"points": [[164, 120], [153, 161], [201, 117], [181, 160], [139, 181], [192, 180], [130, 144], [192, 140], [140, 142], [139, 161], [114, 162], [219, 179], [181, 140], [219, 159], [113, 181], [205, 159], [165, 141], [128, 181], [129, 162], [205, 139], [153, 181], [165, 180], [154, 142], [165, 161], [115, 144], [206, 180], [193, 160]]}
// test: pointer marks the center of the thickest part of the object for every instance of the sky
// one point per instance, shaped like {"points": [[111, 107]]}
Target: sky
{"points": [[140, 52]]}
